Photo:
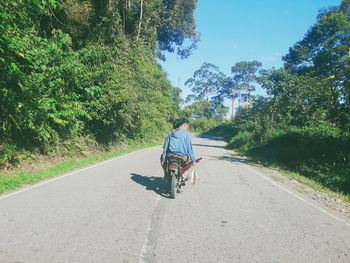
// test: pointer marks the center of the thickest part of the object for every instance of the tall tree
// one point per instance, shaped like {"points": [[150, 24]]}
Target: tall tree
{"points": [[177, 25], [229, 90], [206, 82], [244, 76], [204, 109]]}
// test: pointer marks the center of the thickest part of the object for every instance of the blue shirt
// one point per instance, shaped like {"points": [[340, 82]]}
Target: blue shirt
{"points": [[178, 142]]}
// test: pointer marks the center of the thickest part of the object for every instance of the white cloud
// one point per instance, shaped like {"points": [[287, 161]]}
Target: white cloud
{"points": [[272, 58]]}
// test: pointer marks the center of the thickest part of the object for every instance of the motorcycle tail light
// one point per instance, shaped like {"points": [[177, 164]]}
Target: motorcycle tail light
{"points": [[173, 166]]}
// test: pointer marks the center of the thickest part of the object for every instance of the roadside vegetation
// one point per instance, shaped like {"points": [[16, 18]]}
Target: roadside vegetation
{"points": [[303, 123], [312, 156], [76, 74], [53, 166], [82, 74], [77, 69]]}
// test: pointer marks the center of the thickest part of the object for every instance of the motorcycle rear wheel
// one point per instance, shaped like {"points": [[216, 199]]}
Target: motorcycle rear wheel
{"points": [[173, 186]]}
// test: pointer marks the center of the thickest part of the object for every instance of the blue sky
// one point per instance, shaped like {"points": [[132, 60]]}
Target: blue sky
{"points": [[244, 30]]}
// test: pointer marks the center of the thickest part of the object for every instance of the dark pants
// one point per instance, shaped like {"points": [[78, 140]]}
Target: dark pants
{"points": [[185, 158]]}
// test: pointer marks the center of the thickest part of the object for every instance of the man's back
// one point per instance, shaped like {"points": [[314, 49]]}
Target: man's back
{"points": [[178, 142]]}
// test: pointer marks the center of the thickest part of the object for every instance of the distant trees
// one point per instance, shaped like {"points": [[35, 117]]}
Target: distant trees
{"points": [[244, 75], [303, 123], [312, 88], [204, 109], [210, 84], [206, 82], [241, 84]]}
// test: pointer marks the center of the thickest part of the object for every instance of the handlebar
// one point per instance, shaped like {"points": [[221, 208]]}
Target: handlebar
{"points": [[196, 161]]}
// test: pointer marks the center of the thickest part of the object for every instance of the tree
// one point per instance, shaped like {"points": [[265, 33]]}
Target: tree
{"points": [[206, 82], [241, 84], [292, 102], [87, 68], [177, 25], [161, 25], [229, 90], [204, 109], [324, 53]]}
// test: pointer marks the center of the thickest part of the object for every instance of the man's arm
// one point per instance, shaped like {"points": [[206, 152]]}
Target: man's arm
{"points": [[165, 148], [189, 147]]}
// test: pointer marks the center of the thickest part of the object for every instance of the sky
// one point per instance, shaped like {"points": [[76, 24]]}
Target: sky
{"points": [[244, 30]]}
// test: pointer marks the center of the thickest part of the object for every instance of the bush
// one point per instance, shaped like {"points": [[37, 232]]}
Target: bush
{"points": [[203, 125], [224, 130], [242, 141], [129, 95], [50, 93], [41, 99], [319, 153]]}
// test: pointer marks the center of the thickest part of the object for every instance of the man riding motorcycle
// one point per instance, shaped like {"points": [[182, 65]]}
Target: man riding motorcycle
{"points": [[178, 144]]}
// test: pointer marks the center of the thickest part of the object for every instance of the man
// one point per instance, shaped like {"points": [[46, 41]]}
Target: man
{"points": [[178, 144]]}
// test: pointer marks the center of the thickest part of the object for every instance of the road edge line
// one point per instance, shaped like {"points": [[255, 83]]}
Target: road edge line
{"points": [[297, 196], [59, 177]]}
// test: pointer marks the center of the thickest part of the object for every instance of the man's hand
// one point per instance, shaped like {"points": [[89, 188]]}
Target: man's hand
{"points": [[197, 161], [162, 164]]}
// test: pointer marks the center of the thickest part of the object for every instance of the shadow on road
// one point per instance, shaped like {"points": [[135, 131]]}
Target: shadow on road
{"points": [[232, 159], [206, 145], [153, 183], [210, 137]]}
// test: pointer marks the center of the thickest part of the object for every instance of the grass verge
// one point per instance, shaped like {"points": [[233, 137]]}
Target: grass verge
{"points": [[298, 156], [20, 178], [315, 185]]}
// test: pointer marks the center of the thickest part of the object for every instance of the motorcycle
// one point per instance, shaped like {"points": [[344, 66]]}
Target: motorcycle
{"points": [[175, 171]]}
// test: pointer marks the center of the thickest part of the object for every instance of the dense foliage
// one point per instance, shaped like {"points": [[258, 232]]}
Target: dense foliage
{"points": [[87, 68], [303, 122]]}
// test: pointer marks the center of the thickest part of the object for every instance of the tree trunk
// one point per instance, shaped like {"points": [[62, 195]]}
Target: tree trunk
{"points": [[140, 21], [239, 100], [248, 99], [233, 107], [124, 16], [333, 106]]}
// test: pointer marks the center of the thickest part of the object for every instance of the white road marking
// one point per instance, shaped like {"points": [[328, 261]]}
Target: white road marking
{"points": [[56, 178], [147, 246], [297, 196]]}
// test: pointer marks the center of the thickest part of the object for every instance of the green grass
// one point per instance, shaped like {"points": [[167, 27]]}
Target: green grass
{"points": [[324, 159], [18, 179], [224, 131], [315, 156], [315, 185]]}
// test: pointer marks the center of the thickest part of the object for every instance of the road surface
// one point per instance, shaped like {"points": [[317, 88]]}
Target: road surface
{"points": [[118, 211]]}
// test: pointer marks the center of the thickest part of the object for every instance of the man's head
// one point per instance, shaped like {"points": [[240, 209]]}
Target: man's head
{"points": [[181, 123]]}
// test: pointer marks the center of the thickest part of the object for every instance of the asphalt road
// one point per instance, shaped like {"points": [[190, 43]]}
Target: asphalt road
{"points": [[118, 211]]}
